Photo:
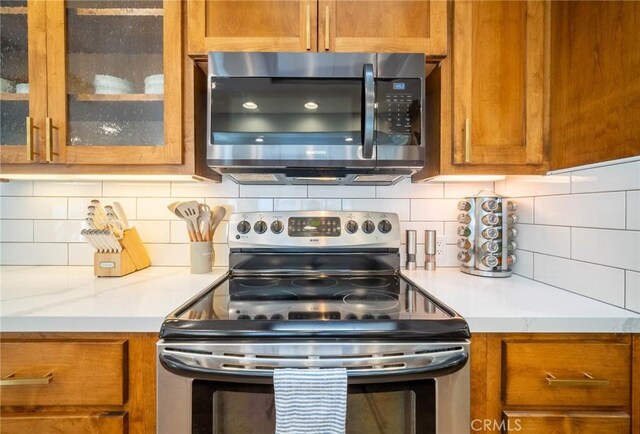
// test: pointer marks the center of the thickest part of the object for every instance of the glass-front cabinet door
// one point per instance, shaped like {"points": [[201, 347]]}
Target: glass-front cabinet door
{"points": [[23, 84], [114, 73]]}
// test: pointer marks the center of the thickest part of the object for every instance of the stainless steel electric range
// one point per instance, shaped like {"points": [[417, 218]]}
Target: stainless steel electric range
{"points": [[314, 289]]}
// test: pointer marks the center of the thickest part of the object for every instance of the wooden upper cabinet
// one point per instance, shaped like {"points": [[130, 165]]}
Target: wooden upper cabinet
{"points": [[383, 26], [318, 25], [23, 88], [105, 84], [256, 25], [595, 82], [498, 82]]}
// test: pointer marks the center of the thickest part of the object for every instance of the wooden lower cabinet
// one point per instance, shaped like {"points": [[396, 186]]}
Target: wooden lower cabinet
{"points": [[78, 383], [555, 383]]}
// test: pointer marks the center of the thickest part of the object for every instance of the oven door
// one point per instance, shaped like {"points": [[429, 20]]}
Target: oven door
{"points": [[392, 388], [276, 110]]}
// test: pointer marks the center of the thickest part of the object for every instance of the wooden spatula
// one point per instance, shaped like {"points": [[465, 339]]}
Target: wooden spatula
{"points": [[190, 212]]}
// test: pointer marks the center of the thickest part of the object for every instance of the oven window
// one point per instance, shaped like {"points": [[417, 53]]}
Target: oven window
{"points": [[286, 111], [395, 408]]}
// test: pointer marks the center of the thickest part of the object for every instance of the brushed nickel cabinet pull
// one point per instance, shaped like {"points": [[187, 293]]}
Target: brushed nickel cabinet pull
{"points": [[47, 141], [11, 380], [587, 380], [326, 28], [30, 139], [308, 27], [467, 140]]}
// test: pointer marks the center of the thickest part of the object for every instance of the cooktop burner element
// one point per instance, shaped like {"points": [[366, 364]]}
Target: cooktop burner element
{"points": [[369, 282]]}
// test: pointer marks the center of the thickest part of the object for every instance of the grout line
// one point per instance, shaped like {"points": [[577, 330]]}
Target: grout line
{"points": [[585, 262]]}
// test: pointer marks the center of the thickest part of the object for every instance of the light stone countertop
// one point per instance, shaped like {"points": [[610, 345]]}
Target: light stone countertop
{"points": [[46, 298]]}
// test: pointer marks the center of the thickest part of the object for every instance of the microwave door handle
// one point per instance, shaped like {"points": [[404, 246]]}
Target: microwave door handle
{"points": [[368, 112]]}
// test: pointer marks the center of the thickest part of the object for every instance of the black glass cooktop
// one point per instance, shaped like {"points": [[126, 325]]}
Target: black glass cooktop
{"points": [[320, 305]]}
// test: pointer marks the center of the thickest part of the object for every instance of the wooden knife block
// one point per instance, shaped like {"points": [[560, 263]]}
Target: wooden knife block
{"points": [[133, 257]]}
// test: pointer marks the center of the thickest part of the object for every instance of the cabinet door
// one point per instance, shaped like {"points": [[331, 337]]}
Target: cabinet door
{"points": [[255, 25], [498, 82], [383, 26], [114, 82], [23, 80], [54, 423], [576, 422]]}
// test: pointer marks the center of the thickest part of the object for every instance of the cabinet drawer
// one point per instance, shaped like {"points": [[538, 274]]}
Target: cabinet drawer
{"points": [[567, 374], [63, 373], [567, 423], [76, 423]]}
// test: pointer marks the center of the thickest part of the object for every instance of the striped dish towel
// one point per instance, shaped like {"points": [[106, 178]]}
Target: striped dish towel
{"points": [[310, 401]]}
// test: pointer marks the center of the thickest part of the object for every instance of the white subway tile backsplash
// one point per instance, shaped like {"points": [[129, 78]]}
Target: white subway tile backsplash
{"points": [[241, 205], [16, 231], [136, 189], [16, 188], [531, 185], [273, 191], [399, 206], [405, 189], [67, 188], [78, 206], [80, 254], [153, 231], [614, 248], [552, 240], [580, 215], [57, 231], [595, 281], [451, 232], [434, 209], [464, 189], [345, 191], [33, 254], [168, 254], [306, 204], [179, 232], [633, 210], [608, 178], [524, 264], [33, 207], [420, 227], [226, 188], [596, 210], [632, 296], [524, 211]]}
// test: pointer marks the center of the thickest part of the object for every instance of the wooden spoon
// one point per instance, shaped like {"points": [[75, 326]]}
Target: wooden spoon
{"points": [[217, 214]]}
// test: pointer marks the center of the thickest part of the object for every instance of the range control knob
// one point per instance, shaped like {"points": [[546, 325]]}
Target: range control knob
{"points": [[277, 227], [244, 227], [260, 227], [384, 226], [368, 226], [351, 227]]}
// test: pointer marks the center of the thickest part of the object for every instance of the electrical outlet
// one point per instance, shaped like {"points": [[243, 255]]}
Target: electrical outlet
{"points": [[441, 247]]}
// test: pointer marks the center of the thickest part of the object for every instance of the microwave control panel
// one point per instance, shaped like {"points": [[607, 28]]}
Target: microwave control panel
{"points": [[398, 114]]}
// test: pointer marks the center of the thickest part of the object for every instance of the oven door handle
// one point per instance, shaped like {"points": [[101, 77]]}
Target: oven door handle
{"points": [[368, 110], [195, 366]]}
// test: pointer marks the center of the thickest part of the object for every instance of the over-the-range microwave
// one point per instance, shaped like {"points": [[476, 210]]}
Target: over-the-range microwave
{"points": [[315, 118]]}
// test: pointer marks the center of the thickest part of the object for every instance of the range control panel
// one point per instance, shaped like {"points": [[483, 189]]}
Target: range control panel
{"points": [[314, 229]]}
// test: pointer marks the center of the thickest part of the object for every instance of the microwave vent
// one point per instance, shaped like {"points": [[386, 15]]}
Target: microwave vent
{"points": [[258, 178], [391, 179]]}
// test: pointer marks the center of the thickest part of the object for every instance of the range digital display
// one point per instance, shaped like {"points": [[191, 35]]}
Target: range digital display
{"points": [[314, 227]]}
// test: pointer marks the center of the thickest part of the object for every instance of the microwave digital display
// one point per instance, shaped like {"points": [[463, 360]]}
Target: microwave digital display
{"points": [[399, 86]]}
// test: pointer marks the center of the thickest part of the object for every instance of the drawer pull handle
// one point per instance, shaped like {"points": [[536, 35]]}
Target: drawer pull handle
{"points": [[587, 380], [11, 380]]}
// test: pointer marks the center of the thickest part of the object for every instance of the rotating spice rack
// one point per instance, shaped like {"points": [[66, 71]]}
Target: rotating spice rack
{"points": [[486, 227]]}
